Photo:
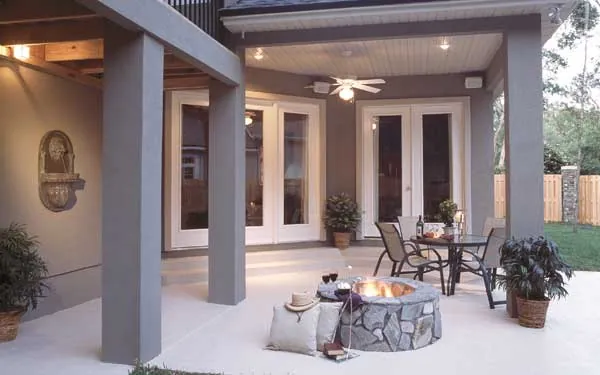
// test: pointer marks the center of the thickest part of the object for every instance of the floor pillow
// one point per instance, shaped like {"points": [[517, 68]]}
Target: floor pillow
{"points": [[328, 322], [294, 331]]}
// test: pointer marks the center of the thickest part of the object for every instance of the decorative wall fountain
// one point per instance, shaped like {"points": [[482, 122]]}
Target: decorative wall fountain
{"points": [[57, 177]]}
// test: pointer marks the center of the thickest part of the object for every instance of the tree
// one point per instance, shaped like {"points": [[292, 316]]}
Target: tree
{"points": [[552, 161]]}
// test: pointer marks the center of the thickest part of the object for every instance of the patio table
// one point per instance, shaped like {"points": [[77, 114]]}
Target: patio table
{"points": [[455, 246]]}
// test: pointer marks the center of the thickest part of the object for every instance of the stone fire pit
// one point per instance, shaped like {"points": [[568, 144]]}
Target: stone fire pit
{"points": [[397, 314]]}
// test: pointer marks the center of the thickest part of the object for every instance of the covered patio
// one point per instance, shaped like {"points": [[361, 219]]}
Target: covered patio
{"points": [[199, 336]]}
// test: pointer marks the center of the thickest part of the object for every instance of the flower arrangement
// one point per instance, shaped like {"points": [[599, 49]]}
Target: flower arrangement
{"points": [[447, 212]]}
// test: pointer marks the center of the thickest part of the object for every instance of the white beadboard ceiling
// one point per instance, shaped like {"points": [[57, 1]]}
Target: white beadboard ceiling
{"points": [[382, 58]]}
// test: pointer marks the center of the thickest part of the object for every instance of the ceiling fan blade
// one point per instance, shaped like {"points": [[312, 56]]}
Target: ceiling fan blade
{"points": [[336, 91], [376, 81], [366, 88], [338, 80]]}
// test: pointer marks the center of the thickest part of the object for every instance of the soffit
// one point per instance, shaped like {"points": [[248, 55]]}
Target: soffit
{"points": [[382, 58]]}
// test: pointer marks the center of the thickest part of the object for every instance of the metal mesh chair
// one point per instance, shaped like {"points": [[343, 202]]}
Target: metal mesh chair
{"points": [[396, 250], [487, 264]]}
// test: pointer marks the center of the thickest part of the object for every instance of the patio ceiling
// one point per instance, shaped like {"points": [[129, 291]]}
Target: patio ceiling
{"points": [[382, 58], [237, 22]]}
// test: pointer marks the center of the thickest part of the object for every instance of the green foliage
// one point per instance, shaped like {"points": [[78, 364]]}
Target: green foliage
{"points": [[447, 212], [552, 161], [141, 369], [341, 214], [534, 269], [22, 270], [576, 24]]}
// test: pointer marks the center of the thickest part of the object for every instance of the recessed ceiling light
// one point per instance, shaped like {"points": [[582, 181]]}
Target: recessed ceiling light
{"points": [[445, 45], [259, 54]]}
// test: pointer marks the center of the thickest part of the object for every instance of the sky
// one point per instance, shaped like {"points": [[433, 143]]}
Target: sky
{"points": [[576, 58]]}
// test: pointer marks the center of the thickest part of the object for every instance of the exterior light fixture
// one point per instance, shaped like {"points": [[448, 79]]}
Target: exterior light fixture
{"points": [[445, 45], [248, 120], [259, 54], [347, 93], [21, 52], [554, 15]]}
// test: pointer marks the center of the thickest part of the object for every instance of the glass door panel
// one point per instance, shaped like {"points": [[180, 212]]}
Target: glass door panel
{"points": [[194, 167], [437, 159], [254, 169], [389, 149], [295, 146]]}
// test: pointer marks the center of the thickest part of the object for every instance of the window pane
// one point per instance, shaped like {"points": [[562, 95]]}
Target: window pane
{"points": [[436, 163], [254, 168], [194, 167], [389, 168], [295, 143]]}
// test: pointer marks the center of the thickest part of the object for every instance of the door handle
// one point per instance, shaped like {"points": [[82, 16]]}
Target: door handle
{"points": [[408, 188]]}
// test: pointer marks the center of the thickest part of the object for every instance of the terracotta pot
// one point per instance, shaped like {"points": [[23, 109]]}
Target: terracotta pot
{"points": [[342, 240], [9, 324], [511, 304], [532, 314]]}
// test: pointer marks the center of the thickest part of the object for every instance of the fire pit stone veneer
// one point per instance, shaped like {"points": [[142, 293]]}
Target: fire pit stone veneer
{"points": [[407, 317]]}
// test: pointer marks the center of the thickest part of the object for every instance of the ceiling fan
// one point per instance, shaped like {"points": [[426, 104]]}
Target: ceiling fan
{"points": [[346, 86]]}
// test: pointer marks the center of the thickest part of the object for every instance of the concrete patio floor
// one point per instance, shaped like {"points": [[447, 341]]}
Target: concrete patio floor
{"points": [[198, 336]]}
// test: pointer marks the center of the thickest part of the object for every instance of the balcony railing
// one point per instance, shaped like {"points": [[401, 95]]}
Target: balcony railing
{"points": [[204, 13]]}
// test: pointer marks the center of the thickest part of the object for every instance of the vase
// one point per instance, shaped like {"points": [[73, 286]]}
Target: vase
{"points": [[342, 240]]}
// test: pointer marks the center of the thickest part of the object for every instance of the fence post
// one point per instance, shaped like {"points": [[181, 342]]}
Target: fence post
{"points": [[569, 194]]}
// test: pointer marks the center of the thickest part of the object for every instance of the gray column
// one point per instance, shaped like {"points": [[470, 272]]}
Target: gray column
{"points": [[131, 196], [227, 195], [524, 131], [482, 160]]}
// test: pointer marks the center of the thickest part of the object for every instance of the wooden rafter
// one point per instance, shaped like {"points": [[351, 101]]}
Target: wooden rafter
{"points": [[186, 83], [80, 50], [52, 32]]}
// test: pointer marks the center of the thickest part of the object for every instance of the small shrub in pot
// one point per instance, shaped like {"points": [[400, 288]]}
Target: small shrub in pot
{"points": [[342, 217], [537, 274], [22, 273]]}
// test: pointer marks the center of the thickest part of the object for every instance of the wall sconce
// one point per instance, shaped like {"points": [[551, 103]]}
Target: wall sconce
{"points": [[248, 120], [57, 178]]}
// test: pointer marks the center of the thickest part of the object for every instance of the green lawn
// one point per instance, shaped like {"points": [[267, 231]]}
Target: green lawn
{"points": [[581, 249]]}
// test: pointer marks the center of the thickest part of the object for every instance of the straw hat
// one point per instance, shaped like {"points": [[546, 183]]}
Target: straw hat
{"points": [[301, 302]]}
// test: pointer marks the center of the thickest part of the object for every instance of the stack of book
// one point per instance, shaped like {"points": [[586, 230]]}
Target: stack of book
{"points": [[336, 352]]}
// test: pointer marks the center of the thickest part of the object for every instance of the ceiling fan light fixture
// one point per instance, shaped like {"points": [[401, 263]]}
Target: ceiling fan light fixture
{"points": [[347, 93]]}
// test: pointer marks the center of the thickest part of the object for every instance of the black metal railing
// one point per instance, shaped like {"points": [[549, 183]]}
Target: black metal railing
{"points": [[203, 13]]}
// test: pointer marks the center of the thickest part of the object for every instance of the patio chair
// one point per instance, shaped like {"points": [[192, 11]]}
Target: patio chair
{"points": [[487, 264], [396, 250]]}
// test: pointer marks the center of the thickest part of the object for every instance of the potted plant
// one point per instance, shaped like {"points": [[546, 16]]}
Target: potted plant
{"points": [[535, 272], [447, 212], [22, 272], [342, 217]]}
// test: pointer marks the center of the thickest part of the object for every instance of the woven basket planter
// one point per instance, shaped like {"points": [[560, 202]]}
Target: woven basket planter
{"points": [[342, 240], [9, 325], [532, 314]]}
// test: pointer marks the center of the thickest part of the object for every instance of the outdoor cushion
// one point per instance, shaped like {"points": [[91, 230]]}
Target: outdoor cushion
{"points": [[294, 331], [328, 322]]}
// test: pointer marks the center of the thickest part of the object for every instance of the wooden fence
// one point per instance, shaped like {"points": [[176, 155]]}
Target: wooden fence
{"points": [[589, 198]]}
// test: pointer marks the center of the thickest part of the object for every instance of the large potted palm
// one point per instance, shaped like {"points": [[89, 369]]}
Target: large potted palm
{"points": [[22, 273], [536, 273], [342, 217]]}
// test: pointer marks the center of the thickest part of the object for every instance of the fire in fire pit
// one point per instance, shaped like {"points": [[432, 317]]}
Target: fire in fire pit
{"points": [[376, 288]]}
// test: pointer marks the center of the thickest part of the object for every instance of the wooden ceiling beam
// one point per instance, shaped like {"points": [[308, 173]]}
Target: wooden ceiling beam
{"points": [[96, 66], [52, 32], [184, 83], [56, 70], [24, 11], [80, 50]]}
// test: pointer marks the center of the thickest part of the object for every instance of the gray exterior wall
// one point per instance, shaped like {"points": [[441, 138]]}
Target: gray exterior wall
{"points": [[31, 104], [341, 127]]}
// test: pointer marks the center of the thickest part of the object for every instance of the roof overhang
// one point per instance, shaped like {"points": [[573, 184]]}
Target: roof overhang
{"points": [[276, 19]]}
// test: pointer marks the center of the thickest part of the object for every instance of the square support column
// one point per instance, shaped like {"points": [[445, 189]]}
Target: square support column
{"points": [[227, 194], [131, 196], [524, 140]]}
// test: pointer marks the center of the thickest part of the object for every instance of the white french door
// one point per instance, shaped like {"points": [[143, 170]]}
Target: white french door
{"points": [[411, 156], [282, 171]]}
